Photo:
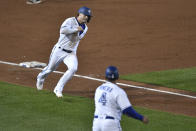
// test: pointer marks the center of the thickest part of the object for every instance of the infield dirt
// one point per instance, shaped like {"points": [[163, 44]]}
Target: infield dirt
{"points": [[135, 35]]}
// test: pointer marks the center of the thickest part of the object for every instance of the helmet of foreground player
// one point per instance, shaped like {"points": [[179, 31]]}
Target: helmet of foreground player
{"points": [[111, 73], [85, 10]]}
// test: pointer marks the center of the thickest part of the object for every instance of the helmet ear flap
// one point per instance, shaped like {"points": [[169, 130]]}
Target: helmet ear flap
{"points": [[89, 18]]}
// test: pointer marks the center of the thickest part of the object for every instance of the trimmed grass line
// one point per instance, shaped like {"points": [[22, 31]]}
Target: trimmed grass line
{"points": [[184, 79], [96, 79]]}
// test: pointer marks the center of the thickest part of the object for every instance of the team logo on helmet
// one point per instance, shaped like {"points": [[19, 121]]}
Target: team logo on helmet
{"points": [[111, 73]]}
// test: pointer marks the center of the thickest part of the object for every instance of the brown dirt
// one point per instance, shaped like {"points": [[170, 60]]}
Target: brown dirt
{"points": [[135, 35]]}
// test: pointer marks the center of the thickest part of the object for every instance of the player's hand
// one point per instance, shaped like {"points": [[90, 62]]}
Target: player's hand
{"points": [[145, 120], [80, 28]]}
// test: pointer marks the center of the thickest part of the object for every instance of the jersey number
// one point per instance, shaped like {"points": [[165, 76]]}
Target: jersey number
{"points": [[102, 99]]}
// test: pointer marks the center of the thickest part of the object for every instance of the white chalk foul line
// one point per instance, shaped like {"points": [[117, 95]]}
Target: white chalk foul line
{"points": [[101, 80]]}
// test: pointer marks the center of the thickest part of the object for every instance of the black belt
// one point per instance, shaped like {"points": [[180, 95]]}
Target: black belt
{"points": [[68, 51], [107, 117]]}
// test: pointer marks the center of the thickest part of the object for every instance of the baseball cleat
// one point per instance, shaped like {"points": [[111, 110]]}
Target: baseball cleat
{"points": [[39, 84], [58, 94]]}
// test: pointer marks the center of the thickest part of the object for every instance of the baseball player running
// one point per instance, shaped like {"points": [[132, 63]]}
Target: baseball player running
{"points": [[110, 103], [71, 32]]}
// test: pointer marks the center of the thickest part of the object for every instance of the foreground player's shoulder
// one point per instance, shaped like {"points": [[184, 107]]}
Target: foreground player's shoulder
{"points": [[122, 98], [120, 91]]}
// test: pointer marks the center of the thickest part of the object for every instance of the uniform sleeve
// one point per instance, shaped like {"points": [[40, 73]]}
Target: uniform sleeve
{"points": [[132, 113], [123, 100], [68, 28]]}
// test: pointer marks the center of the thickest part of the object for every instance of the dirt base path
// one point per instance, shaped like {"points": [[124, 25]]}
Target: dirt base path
{"points": [[85, 87]]}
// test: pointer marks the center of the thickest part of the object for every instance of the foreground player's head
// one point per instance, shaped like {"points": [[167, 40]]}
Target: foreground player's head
{"points": [[111, 73], [84, 14]]}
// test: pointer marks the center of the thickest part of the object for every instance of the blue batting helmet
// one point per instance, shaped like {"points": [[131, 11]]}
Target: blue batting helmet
{"points": [[111, 73], [85, 10]]}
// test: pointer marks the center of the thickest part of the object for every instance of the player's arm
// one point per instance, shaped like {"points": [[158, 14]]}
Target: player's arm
{"points": [[68, 28], [129, 111]]}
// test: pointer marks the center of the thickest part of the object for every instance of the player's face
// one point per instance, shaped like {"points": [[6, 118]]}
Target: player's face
{"points": [[82, 18]]}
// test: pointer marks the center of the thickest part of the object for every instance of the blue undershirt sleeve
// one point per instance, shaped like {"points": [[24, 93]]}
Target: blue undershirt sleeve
{"points": [[129, 111]]}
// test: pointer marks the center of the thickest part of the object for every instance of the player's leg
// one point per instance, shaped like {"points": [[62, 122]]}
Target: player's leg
{"points": [[97, 125], [111, 125], [56, 57], [72, 64]]}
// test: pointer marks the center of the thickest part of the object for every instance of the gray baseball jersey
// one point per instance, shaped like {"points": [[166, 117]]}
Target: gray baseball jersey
{"points": [[64, 51], [69, 37]]}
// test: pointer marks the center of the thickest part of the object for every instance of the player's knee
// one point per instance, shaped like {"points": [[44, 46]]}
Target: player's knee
{"points": [[73, 70]]}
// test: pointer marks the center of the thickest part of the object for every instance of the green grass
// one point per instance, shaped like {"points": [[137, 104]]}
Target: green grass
{"points": [[184, 79], [26, 109]]}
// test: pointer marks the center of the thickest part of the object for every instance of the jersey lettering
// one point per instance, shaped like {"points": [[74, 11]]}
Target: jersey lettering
{"points": [[106, 88], [102, 99]]}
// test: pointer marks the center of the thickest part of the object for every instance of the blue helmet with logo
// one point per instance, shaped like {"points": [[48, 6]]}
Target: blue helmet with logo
{"points": [[85, 10], [111, 73]]}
